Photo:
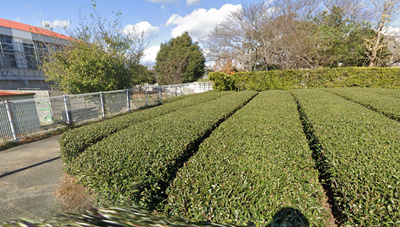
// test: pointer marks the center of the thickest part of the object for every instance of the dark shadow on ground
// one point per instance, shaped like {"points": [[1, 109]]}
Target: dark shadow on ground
{"points": [[289, 217], [28, 167]]}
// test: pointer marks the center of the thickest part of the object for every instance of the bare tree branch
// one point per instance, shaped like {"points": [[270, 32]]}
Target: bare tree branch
{"points": [[385, 11]]}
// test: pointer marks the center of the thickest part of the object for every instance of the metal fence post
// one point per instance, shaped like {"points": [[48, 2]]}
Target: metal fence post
{"points": [[10, 120], [128, 104], [66, 109], [160, 94], [147, 100], [102, 105]]}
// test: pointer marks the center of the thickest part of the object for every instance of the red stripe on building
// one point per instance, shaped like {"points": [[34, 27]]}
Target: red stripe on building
{"points": [[30, 28]]}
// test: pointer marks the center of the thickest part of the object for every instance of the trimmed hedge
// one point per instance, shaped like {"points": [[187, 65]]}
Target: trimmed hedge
{"points": [[75, 141], [135, 165], [386, 92], [385, 104], [307, 78], [176, 98], [256, 163], [361, 149]]}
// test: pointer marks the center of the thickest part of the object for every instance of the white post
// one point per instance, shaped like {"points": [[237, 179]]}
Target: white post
{"points": [[147, 100], [102, 105], [160, 94], [128, 106], [66, 109], [10, 120]]}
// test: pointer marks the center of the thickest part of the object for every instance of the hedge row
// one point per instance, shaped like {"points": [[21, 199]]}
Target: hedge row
{"points": [[135, 165], [361, 149], [75, 141], [173, 99], [387, 92], [385, 104], [255, 164], [307, 78]]}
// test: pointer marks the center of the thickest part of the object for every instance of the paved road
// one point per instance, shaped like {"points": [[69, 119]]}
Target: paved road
{"points": [[28, 176]]}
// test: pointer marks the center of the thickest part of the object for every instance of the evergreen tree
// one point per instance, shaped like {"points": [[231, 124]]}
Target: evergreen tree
{"points": [[342, 41], [179, 61]]}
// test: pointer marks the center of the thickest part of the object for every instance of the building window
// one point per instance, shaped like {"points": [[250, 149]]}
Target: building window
{"points": [[42, 50], [7, 55], [30, 56]]}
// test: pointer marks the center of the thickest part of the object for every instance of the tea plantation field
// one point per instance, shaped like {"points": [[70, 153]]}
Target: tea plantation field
{"points": [[250, 158]]}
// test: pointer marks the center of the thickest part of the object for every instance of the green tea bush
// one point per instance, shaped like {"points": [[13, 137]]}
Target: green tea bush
{"points": [[173, 99], [361, 149], [388, 105], [254, 164], [308, 78], [135, 165], [386, 92], [75, 141]]}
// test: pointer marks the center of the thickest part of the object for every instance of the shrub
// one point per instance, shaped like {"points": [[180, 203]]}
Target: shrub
{"points": [[75, 141], [134, 165], [380, 101], [256, 163], [360, 149], [222, 81], [308, 78]]}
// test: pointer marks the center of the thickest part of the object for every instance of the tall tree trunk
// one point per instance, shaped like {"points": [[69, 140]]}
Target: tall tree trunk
{"points": [[375, 49]]}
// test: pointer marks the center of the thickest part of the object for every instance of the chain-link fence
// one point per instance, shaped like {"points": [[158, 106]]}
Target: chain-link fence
{"points": [[21, 118]]}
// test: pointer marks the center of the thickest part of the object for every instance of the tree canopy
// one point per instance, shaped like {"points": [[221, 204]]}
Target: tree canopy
{"points": [[299, 34], [99, 57], [179, 60]]}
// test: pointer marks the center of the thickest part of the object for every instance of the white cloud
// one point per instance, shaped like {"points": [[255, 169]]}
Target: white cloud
{"points": [[40, 13], [200, 22], [29, 5], [56, 23], [150, 55], [18, 19], [163, 1], [193, 2], [145, 27]]}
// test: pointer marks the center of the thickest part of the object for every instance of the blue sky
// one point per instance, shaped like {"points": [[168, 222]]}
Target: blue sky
{"points": [[159, 19]]}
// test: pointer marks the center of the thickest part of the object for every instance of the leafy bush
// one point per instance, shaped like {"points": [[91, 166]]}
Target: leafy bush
{"points": [[75, 141], [308, 78], [388, 105], [256, 163], [386, 92], [222, 81], [173, 99], [135, 165], [361, 149]]}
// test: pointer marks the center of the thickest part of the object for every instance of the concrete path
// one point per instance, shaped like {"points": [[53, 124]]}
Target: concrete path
{"points": [[29, 174]]}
